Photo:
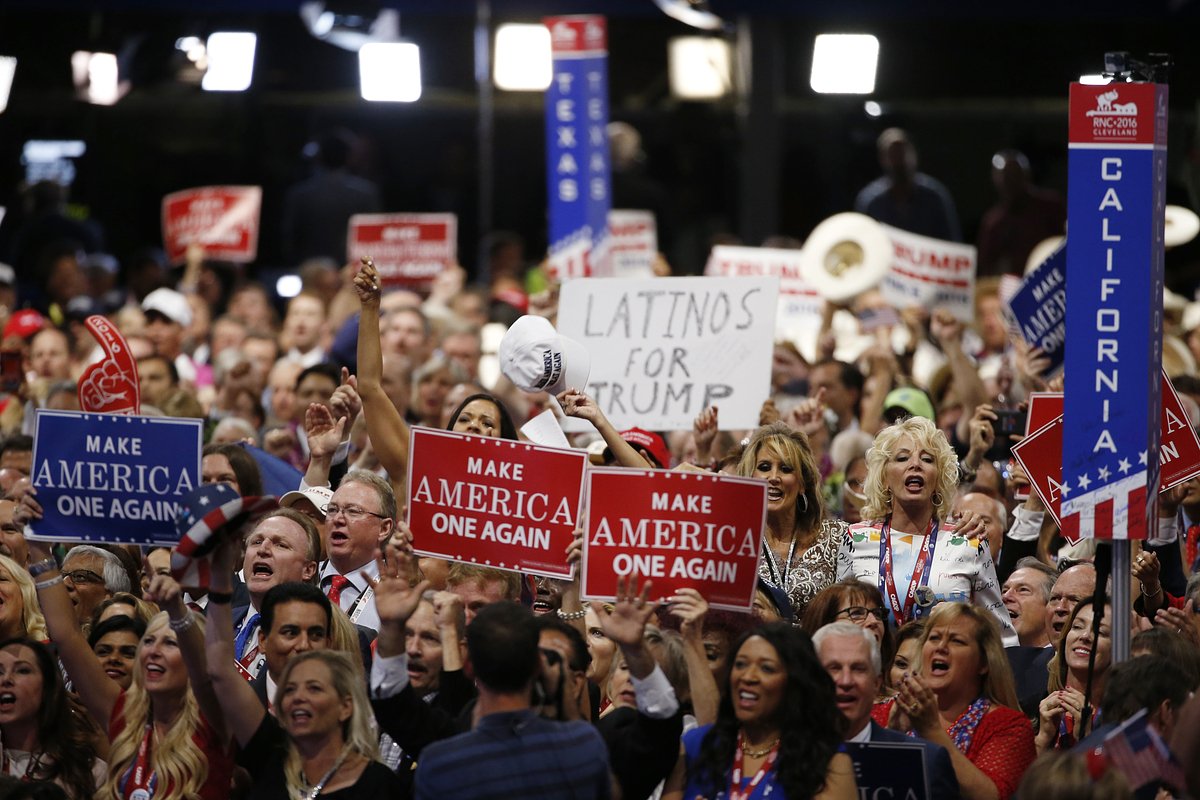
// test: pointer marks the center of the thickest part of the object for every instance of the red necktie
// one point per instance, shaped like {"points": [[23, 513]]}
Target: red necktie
{"points": [[1193, 545], [338, 583]]}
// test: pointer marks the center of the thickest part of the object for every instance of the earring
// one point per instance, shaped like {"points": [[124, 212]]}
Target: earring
{"points": [[804, 504], [888, 496], [936, 498]]}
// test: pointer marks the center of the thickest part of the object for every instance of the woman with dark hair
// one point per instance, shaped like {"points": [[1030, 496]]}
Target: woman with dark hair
{"points": [[232, 464], [1062, 721], [44, 738], [907, 544], [963, 697], [481, 414], [854, 601], [778, 728], [114, 641], [801, 544]]}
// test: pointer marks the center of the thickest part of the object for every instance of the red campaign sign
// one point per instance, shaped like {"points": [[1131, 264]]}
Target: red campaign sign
{"points": [[493, 502], [409, 250], [679, 529], [582, 34], [1116, 113], [1179, 445], [223, 219], [110, 386], [1040, 455]]}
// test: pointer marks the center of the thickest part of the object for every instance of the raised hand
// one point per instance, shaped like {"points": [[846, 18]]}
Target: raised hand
{"points": [[691, 607], [577, 404], [626, 624], [345, 401], [704, 431], [323, 431], [397, 590], [809, 415], [366, 283]]}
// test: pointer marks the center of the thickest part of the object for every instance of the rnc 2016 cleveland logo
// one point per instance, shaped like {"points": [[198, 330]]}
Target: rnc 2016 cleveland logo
{"points": [[1113, 120]]}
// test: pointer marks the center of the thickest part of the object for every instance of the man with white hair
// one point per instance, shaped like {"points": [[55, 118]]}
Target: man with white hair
{"points": [[994, 517], [92, 575], [850, 654]]}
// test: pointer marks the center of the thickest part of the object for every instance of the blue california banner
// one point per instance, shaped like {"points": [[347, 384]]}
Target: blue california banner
{"points": [[1114, 309], [1039, 308], [113, 478], [578, 171]]}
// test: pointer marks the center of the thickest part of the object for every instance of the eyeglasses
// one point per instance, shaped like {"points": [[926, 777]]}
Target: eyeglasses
{"points": [[83, 576], [352, 512], [859, 613]]}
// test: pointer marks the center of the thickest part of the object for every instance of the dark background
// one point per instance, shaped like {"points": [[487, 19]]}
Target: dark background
{"points": [[965, 78]]}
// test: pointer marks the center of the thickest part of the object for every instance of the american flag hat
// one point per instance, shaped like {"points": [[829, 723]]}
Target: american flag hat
{"points": [[208, 512]]}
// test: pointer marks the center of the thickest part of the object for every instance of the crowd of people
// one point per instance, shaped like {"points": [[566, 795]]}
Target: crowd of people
{"points": [[912, 589]]}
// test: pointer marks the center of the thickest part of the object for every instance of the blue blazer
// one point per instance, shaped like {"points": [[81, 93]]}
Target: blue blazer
{"points": [[943, 783]]}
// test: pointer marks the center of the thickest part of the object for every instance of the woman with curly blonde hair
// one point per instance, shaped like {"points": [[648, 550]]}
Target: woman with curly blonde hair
{"points": [[800, 544], [907, 544]]}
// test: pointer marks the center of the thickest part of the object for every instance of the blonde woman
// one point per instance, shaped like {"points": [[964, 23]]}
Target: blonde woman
{"points": [[20, 614], [800, 553], [963, 697], [167, 730], [907, 545], [318, 739]]}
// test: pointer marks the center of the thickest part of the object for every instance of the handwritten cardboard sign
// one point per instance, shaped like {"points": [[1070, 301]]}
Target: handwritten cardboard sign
{"points": [[931, 273], [223, 219], [800, 305], [663, 349], [632, 243], [493, 502], [409, 250], [113, 478], [679, 529]]}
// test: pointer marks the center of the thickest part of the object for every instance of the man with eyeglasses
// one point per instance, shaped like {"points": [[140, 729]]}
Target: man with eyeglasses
{"points": [[360, 517], [92, 575], [12, 535]]}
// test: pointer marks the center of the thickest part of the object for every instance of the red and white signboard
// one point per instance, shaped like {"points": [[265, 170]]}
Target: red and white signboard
{"points": [[409, 250], [632, 244], [800, 305], [493, 502], [222, 219], [1040, 453], [931, 273], [679, 529]]}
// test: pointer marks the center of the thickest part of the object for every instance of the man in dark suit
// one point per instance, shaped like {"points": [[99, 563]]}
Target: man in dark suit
{"points": [[850, 655]]}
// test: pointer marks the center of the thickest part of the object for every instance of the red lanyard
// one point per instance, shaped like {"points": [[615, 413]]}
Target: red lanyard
{"points": [[139, 782], [735, 792], [919, 575]]}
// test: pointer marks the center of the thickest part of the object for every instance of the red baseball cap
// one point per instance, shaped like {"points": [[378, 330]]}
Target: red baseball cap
{"points": [[652, 443], [24, 323]]}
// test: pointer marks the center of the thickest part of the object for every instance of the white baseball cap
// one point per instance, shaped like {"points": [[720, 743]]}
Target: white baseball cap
{"points": [[171, 304], [319, 496], [536, 358]]}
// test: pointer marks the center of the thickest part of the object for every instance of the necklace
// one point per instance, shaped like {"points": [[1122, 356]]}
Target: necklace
{"points": [[780, 573], [766, 748], [314, 791]]}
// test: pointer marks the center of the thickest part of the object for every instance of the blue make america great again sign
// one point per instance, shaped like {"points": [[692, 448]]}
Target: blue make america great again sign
{"points": [[113, 478], [1113, 355]]}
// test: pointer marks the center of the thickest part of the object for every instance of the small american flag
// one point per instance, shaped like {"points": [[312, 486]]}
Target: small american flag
{"points": [[1140, 754]]}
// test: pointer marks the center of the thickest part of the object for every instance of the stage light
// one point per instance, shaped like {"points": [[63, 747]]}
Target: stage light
{"points": [[288, 286], [390, 71], [844, 63], [350, 24], [97, 77], [698, 67], [691, 12], [8, 67], [1094, 80], [523, 61], [230, 56], [872, 108]]}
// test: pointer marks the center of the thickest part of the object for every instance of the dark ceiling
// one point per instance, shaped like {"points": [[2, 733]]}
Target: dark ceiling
{"points": [[966, 77]]}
